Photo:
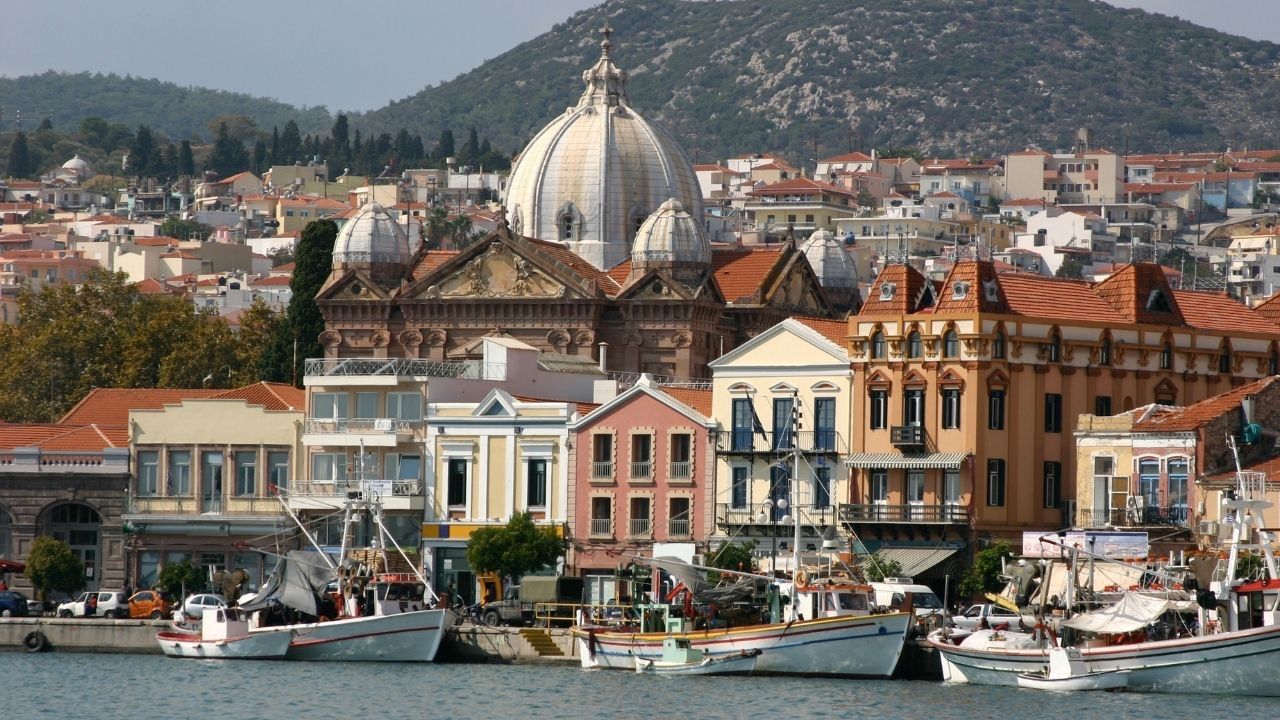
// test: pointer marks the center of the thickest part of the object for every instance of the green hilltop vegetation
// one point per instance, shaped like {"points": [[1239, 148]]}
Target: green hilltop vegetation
{"points": [[804, 77], [172, 110]]}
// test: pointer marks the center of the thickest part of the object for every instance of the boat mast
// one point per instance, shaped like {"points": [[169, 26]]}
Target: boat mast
{"points": [[795, 490]]}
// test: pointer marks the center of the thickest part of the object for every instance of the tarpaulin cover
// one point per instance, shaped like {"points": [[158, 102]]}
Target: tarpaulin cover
{"points": [[1133, 612]]}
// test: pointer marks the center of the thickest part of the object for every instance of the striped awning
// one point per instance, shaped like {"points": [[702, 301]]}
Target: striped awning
{"points": [[915, 560], [895, 460]]}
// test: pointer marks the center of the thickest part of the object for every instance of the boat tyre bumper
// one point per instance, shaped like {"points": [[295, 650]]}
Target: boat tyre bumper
{"points": [[35, 642]]}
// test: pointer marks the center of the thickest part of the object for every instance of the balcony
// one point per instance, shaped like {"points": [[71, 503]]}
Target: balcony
{"points": [[395, 494], [162, 505], [640, 528], [390, 371], [678, 527], [641, 470], [601, 471], [809, 442], [111, 461], [926, 514], [1149, 516], [601, 528], [374, 432], [729, 515], [680, 470], [904, 436]]}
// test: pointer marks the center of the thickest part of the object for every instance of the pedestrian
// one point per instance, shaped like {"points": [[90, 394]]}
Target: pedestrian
{"points": [[3, 585]]}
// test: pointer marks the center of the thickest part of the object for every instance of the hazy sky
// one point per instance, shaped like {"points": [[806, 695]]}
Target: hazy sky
{"points": [[348, 55]]}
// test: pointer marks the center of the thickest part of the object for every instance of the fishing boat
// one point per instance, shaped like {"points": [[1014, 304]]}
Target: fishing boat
{"points": [[351, 609], [224, 634], [1235, 652], [1067, 672], [679, 658]]}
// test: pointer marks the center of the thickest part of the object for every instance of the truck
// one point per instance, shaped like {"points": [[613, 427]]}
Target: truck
{"points": [[559, 596]]}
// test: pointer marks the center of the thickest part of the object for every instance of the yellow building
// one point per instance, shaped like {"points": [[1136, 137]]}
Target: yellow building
{"points": [[799, 365], [968, 390]]}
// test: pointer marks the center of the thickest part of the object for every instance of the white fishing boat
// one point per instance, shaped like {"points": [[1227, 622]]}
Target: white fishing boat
{"points": [[353, 612], [679, 658], [1067, 672], [1235, 652], [224, 634]]}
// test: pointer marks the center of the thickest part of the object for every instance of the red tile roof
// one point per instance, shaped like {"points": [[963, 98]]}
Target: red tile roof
{"points": [[1130, 290], [853, 157], [111, 406], [1221, 313], [837, 331], [84, 438], [799, 186], [271, 280], [698, 400], [431, 260], [909, 283], [271, 396], [1056, 299], [1194, 416], [1026, 202], [741, 272]]}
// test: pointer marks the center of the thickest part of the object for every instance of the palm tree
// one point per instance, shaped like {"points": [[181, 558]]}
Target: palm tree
{"points": [[437, 227], [460, 231]]}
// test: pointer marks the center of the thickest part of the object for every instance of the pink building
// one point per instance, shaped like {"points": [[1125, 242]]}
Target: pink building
{"points": [[642, 472]]}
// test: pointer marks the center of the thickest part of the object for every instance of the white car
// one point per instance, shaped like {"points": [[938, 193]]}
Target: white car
{"points": [[106, 604], [193, 608], [995, 615]]}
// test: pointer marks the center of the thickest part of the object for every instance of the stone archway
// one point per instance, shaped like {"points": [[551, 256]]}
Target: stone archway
{"points": [[79, 526]]}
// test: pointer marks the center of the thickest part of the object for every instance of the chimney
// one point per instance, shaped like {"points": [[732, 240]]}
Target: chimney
{"points": [[604, 347]]}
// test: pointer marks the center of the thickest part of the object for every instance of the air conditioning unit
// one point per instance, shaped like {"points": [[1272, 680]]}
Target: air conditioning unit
{"points": [[1207, 527]]}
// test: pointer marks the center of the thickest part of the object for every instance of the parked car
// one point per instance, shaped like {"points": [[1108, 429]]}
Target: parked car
{"points": [[193, 608], [102, 603], [891, 592], [13, 604], [973, 616], [149, 604]]}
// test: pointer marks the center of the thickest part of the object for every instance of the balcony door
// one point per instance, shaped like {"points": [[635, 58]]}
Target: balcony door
{"points": [[915, 493]]}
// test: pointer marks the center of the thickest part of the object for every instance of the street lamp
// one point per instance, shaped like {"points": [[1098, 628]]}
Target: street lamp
{"points": [[767, 515]]}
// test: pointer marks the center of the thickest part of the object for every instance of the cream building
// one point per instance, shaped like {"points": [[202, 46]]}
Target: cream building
{"points": [[801, 365]]}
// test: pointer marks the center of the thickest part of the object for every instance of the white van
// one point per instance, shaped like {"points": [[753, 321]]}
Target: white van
{"points": [[892, 591]]}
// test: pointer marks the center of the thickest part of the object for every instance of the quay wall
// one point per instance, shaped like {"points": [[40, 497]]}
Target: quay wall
{"points": [[466, 643]]}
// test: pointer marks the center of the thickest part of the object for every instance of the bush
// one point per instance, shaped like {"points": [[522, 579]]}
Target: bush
{"points": [[52, 567], [877, 568], [181, 579], [984, 575]]}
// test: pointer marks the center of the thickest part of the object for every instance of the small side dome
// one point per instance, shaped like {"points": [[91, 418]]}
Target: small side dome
{"points": [[374, 240], [78, 167], [830, 261], [669, 237]]}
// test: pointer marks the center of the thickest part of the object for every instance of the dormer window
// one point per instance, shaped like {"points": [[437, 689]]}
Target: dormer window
{"points": [[991, 291], [887, 291], [960, 290], [1158, 301]]}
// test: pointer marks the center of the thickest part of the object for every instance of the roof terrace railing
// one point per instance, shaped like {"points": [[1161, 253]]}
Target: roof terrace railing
{"points": [[403, 367]]}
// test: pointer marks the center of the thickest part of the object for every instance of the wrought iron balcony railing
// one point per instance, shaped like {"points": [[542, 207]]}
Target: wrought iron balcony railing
{"points": [[931, 514]]}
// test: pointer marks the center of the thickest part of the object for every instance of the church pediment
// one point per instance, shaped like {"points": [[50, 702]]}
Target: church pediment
{"points": [[798, 292], [352, 285], [496, 271], [656, 285]]}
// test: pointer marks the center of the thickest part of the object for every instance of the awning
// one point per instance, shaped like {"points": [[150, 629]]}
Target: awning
{"points": [[895, 460], [915, 560], [11, 566]]}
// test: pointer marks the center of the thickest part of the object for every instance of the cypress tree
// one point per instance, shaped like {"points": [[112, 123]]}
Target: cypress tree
{"points": [[313, 260], [19, 156]]}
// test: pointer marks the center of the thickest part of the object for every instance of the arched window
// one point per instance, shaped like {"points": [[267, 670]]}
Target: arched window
{"points": [[78, 526], [877, 345], [998, 345], [1053, 348], [1166, 356], [1224, 357], [950, 344], [1273, 363], [1104, 352], [914, 349]]}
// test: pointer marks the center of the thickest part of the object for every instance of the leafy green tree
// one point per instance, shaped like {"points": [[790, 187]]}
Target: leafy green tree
{"points": [[93, 132], [303, 322], [515, 549], [984, 575], [738, 556], [228, 156], [176, 227], [53, 567], [1070, 268], [878, 568], [180, 579], [19, 157], [259, 324], [242, 128]]}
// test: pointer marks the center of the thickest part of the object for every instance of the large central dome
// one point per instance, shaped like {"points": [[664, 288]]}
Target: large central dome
{"points": [[592, 176]]}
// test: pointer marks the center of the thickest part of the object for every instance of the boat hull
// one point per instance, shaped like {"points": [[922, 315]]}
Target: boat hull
{"points": [[254, 646], [403, 637], [863, 646], [1111, 680], [1241, 662], [726, 665]]}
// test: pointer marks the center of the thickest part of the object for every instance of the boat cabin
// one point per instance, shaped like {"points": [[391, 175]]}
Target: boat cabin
{"points": [[394, 593], [1255, 604]]}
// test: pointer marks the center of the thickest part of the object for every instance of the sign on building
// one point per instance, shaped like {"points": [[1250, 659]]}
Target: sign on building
{"points": [[1112, 544]]}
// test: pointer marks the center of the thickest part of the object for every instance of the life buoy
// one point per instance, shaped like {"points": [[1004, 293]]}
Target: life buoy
{"points": [[35, 642], [802, 578]]}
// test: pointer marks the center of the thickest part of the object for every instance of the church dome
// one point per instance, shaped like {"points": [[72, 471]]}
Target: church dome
{"points": [[670, 236], [592, 175], [78, 167], [372, 239], [830, 261]]}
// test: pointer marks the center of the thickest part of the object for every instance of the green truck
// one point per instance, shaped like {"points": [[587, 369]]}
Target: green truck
{"points": [[537, 599]]}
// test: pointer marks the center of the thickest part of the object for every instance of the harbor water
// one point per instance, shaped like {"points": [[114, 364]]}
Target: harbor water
{"points": [[62, 685]]}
